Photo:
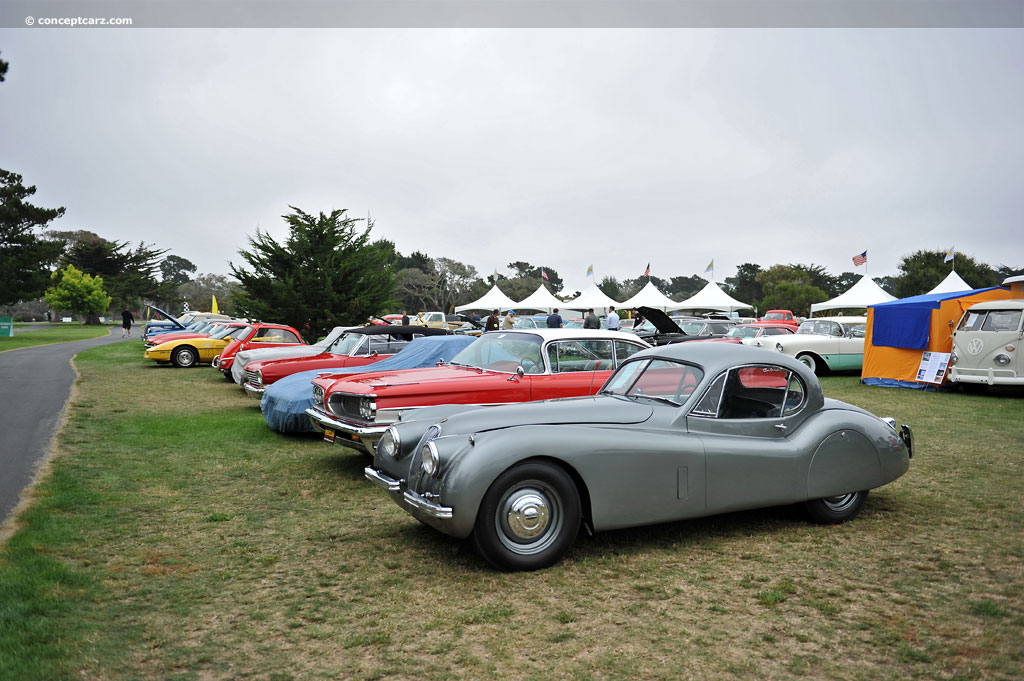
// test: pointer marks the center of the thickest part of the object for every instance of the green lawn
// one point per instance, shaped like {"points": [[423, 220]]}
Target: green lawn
{"points": [[26, 337], [177, 537]]}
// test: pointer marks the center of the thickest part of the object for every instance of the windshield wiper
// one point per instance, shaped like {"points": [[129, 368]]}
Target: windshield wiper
{"points": [[659, 398]]}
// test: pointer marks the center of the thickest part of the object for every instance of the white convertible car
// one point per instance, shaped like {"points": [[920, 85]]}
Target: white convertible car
{"points": [[823, 343]]}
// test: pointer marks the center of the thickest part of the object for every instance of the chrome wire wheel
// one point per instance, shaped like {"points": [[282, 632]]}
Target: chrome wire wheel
{"points": [[529, 518]]}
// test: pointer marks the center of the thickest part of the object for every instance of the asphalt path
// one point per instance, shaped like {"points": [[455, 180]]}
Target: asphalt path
{"points": [[35, 384]]}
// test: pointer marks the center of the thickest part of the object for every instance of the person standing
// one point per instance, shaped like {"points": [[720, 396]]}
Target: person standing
{"points": [[126, 322], [510, 320], [492, 321], [405, 318], [613, 319], [555, 320], [591, 322]]}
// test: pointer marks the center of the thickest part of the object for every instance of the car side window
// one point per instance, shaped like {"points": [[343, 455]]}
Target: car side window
{"points": [[758, 391], [567, 356], [378, 345], [624, 349]]}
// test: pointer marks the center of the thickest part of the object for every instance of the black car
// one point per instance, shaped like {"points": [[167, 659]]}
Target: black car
{"points": [[660, 329]]}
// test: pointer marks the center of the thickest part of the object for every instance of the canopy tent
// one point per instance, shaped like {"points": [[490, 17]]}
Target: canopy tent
{"points": [[711, 297], [864, 293], [649, 296], [492, 300], [951, 284], [541, 300], [901, 331], [591, 297]]}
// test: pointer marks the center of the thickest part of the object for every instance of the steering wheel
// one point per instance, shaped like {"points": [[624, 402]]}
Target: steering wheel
{"points": [[529, 366]]}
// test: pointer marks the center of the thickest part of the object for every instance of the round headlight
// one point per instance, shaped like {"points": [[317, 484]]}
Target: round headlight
{"points": [[953, 357], [778, 346], [318, 395], [1002, 359], [366, 410], [430, 459], [389, 444]]}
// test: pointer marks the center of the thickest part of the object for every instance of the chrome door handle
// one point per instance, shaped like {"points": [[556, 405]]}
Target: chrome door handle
{"points": [[781, 426]]}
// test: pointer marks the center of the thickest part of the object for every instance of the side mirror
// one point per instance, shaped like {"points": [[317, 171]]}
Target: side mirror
{"points": [[520, 371]]}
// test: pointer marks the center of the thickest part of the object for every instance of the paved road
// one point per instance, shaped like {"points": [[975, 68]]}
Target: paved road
{"points": [[35, 383]]}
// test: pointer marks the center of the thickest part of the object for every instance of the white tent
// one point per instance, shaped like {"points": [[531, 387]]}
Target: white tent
{"points": [[864, 293], [649, 296], [951, 284], [711, 297], [541, 299], [492, 300], [591, 297]]}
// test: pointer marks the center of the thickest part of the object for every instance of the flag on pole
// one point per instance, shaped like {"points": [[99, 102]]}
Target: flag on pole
{"points": [[949, 254], [543, 274], [213, 306], [710, 267], [186, 306], [590, 271], [647, 272], [860, 259]]}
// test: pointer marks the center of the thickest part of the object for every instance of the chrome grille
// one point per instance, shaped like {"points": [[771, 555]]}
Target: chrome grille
{"points": [[346, 407], [252, 377]]}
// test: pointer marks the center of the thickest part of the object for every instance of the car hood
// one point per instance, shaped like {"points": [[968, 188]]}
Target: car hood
{"points": [[408, 381], [662, 322], [285, 352], [571, 410]]}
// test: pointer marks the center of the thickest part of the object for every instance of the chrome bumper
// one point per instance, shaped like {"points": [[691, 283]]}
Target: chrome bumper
{"points": [[253, 391], [985, 376], [361, 438], [426, 506], [216, 362], [383, 481]]}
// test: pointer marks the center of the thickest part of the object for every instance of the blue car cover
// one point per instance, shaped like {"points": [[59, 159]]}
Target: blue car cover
{"points": [[284, 402]]}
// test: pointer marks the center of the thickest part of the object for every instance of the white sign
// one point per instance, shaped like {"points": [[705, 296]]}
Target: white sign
{"points": [[933, 367]]}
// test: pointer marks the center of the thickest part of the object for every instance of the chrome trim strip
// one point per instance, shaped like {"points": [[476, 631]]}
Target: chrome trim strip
{"points": [[324, 420], [426, 506], [381, 480]]}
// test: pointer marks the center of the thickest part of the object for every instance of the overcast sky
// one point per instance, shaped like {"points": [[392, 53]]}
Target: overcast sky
{"points": [[565, 147]]}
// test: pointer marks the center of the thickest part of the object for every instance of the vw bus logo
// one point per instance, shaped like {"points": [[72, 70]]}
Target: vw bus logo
{"points": [[975, 346]]}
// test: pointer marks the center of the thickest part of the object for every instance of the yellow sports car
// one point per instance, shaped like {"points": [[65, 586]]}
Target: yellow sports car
{"points": [[187, 352]]}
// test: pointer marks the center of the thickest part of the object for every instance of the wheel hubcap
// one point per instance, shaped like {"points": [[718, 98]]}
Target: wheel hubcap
{"points": [[529, 518], [840, 502]]}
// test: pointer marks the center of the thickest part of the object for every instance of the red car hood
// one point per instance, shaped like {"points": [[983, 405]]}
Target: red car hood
{"points": [[457, 384], [276, 369]]}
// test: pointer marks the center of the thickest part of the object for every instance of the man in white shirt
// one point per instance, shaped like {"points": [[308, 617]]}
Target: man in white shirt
{"points": [[613, 319]]}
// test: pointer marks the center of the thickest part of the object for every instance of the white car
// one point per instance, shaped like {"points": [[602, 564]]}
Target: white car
{"points": [[987, 345], [823, 343]]}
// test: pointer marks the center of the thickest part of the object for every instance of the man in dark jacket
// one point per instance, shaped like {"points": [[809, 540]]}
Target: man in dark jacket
{"points": [[555, 320], [492, 322], [591, 322]]}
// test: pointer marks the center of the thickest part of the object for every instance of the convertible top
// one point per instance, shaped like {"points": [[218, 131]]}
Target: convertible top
{"points": [[398, 331]]}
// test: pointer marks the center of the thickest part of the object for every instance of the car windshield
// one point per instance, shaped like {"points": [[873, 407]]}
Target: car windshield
{"points": [[503, 352], [691, 328], [991, 320], [334, 335], [345, 344], [775, 315], [655, 379], [742, 332], [820, 327], [224, 333], [244, 333]]}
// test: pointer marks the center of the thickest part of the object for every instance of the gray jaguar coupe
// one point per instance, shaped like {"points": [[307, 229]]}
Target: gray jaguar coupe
{"points": [[679, 431]]}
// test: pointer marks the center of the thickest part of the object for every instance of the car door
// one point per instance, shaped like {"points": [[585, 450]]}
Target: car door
{"points": [[747, 419], [851, 347]]}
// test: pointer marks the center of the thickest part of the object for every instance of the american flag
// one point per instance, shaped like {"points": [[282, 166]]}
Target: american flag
{"points": [[543, 274], [859, 260], [647, 272]]}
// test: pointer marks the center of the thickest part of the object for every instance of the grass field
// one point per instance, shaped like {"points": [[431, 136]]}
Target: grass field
{"points": [[27, 336], [177, 537]]}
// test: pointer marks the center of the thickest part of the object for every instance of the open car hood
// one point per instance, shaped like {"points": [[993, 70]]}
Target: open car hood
{"points": [[573, 410], [168, 315], [662, 322]]}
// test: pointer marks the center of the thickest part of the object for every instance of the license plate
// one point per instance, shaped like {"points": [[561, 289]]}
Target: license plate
{"points": [[328, 435]]}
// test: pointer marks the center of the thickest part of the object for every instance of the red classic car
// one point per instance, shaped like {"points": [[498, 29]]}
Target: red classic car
{"points": [[756, 330], [259, 335], [355, 347], [501, 367], [780, 317]]}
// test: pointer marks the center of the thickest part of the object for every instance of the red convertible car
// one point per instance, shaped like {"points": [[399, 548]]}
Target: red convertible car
{"points": [[258, 335], [501, 367], [355, 347]]}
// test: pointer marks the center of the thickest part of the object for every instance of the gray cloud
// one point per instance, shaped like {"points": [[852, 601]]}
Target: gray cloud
{"points": [[569, 147]]}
